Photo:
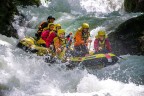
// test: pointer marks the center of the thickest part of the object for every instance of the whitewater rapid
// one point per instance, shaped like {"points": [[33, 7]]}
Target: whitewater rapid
{"points": [[26, 74]]}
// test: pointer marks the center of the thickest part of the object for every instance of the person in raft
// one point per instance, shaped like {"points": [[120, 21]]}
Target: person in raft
{"points": [[50, 19], [60, 43], [101, 43], [43, 40], [57, 27], [81, 40], [48, 35]]}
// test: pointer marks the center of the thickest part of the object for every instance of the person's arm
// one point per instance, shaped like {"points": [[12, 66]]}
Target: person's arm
{"points": [[57, 45], [43, 25], [96, 45]]}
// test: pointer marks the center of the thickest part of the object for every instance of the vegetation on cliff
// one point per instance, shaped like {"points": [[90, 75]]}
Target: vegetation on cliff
{"points": [[8, 10]]}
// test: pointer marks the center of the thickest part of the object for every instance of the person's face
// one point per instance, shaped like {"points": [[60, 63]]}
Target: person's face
{"points": [[62, 35], [51, 20], [51, 27], [101, 37], [85, 30]]}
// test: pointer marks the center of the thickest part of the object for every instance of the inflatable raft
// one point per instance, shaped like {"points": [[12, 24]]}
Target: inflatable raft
{"points": [[95, 61], [29, 44]]}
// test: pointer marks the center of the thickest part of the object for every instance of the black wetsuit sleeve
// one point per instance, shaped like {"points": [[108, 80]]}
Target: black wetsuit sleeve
{"points": [[44, 25]]}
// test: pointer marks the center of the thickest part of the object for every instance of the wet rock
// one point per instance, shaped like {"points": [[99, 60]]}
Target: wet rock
{"points": [[141, 39], [129, 37], [134, 5]]}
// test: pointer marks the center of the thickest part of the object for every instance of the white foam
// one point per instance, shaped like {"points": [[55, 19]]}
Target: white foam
{"points": [[101, 6], [91, 83]]}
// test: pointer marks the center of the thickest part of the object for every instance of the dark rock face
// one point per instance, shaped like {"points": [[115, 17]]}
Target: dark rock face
{"points": [[134, 5], [140, 6], [6, 15], [129, 37], [7, 11], [130, 5]]}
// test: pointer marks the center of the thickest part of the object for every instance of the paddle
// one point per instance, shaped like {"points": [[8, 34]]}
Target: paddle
{"points": [[89, 46]]}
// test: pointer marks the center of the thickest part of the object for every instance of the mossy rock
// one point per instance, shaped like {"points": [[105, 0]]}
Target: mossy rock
{"points": [[130, 5], [127, 37]]}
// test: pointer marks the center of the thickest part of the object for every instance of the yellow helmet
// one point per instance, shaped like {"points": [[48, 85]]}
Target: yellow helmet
{"points": [[58, 25], [85, 25], [101, 33], [50, 25], [61, 31]]}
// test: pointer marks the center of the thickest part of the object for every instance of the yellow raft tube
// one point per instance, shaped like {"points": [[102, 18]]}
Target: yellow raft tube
{"points": [[29, 44]]}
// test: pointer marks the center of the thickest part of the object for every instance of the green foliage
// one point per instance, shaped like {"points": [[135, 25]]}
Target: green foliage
{"points": [[8, 10], [27, 2]]}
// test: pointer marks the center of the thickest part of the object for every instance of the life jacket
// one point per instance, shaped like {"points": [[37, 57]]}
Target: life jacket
{"points": [[62, 42], [44, 37], [51, 33], [80, 36], [45, 34], [85, 36], [102, 43]]}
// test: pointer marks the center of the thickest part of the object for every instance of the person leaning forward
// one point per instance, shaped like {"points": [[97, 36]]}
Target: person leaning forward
{"points": [[60, 44]]}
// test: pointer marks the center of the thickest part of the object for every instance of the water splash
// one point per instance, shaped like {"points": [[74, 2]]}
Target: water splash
{"points": [[85, 6], [91, 84], [45, 3], [101, 6]]}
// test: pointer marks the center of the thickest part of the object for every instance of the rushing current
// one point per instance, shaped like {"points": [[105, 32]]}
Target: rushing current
{"points": [[25, 74]]}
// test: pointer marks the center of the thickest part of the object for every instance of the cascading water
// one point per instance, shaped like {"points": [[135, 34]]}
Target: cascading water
{"points": [[25, 74]]}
